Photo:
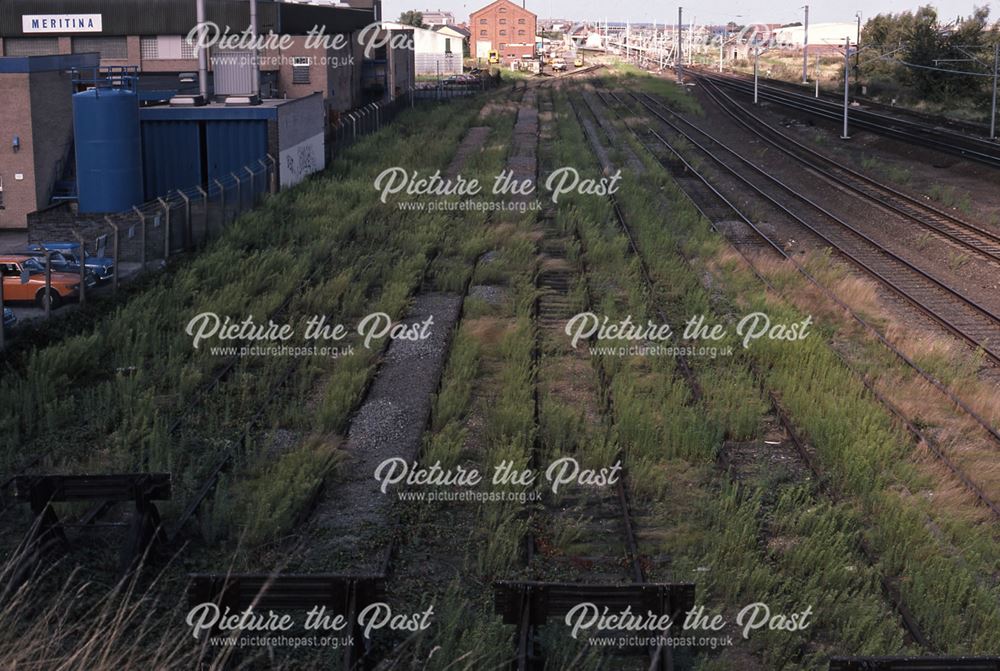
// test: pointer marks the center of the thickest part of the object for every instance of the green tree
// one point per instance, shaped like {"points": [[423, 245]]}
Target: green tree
{"points": [[412, 18]]}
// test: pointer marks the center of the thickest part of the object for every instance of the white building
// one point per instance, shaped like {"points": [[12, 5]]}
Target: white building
{"points": [[434, 53], [828, 34], [438, 18]]}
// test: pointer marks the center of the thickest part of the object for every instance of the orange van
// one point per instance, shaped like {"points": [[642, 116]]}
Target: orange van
{"points": [[24, 280]]}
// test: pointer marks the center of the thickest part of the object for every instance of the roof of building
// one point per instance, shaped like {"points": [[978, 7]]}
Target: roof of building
{"points": [[178, 17], [53, 63], [464, 32], [501, 2]]}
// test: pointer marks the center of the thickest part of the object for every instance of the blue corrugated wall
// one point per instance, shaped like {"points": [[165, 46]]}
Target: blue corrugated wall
{"points": [[171, 156], [172, 152], [234, 144]]}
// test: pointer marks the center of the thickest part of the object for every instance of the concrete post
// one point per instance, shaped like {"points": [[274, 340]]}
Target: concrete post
{"points": [[239, 193], [114, 252], [222, 201], [83, 273], [805, 47], [187, 220], [847, 76], [142, 231], [47, 300], [274, 174], [253, 194], [204, 215], [166, 228]]}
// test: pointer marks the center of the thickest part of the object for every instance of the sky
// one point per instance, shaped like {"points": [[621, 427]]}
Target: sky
{"points": [[700, 11]]}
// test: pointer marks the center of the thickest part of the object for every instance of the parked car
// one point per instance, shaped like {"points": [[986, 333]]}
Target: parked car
{"points": [[9, 320], [103, 267], [578, 63], [24, 280], [558, 65]]}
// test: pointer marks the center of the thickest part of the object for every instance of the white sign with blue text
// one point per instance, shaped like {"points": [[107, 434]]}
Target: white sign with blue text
{"points": [[61, 23]]}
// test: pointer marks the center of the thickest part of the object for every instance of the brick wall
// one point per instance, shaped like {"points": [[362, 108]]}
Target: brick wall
{"points": [[503, 24], [15, 120]]}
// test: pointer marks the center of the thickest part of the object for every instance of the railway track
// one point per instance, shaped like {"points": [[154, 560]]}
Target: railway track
{"points": [[972, 129], [935, 297], [965, 234], [715, 206], [612, 555], [791, 435], [932, 137]]}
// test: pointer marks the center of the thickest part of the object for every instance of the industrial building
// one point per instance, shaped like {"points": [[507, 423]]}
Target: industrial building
{"points": [[504, 27], [434, 52], [149, 35], [36, 130], [148, 122]]}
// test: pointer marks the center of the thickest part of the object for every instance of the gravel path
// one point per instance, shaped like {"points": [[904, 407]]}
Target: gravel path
{"points": [[348, 529]]}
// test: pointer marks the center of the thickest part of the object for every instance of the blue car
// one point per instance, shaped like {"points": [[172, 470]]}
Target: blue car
{"points": [[8, 318], [102, 267]]}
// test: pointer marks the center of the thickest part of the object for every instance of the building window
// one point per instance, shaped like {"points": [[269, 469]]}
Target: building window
{"points": [[107, 47], [503, 20], [503, 32], [520, 20], [482, 33], [165, 48], [149, 48], [30, 46], [447, 45], [501, 47], [300, 70], [482, 21], [503, 10], [520, 32]]}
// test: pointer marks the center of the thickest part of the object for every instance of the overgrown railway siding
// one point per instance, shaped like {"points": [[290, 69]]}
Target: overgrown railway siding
{"points": [[886, 508]]}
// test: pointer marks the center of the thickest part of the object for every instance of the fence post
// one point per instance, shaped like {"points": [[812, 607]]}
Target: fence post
{"points": [[166, 228], [274, 174], [142, 230], [83, 273], [187, 220], [267, 177], [204, 215], [222, 201], [114, 254], [354, 127], [239, 193], [253, 187], [47, 298]]}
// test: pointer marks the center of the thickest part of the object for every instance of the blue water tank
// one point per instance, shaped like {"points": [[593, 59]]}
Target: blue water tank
{"points": [[108, 149]]}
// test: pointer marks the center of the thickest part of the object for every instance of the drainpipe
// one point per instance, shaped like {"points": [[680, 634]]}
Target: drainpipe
{"points": [[202, 54]]}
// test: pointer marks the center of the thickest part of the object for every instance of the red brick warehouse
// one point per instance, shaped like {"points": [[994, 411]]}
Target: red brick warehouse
{"points": [[505, 27]]}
